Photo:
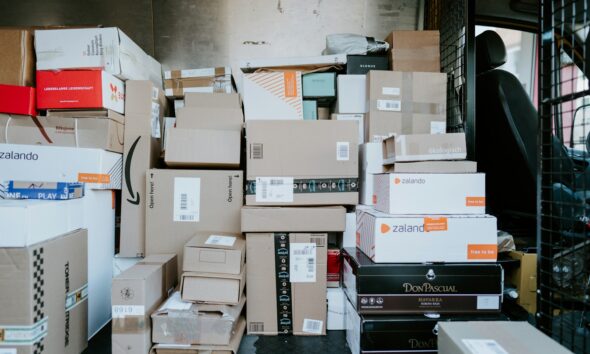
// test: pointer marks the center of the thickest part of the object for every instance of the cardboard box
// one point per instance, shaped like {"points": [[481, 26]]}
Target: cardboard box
{"points": [[424, 147], [414, 51], [209, 80], [178, 322], [397, 288], [427, 238], [297, 289], [211, 253], [169, 264], [18, 100], [430, 193], [17, 65], [215, 100], [213, 202], [336, 320], [203, 148], [321, 85], [349, 234], [405, 103], [525, 280], [75, 89], [371, 163], [315, 163], [359, 118], [89, 48], [213, 288], [292, 63], [41, 190], [310, 110], [293, 219], [88, 132], [362, 64], [226, 118], [323, 113], [273, 95], [352, 94], [434, 167], [43, 296], [99, 169], [495, 337], [334, 267], [232, 348]]}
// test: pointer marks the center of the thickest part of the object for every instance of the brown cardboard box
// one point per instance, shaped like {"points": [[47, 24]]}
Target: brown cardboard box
{"points": [[525, 279], [230, 118], [232, 348], [179, 322], [213, 288], [434, 167], [212, 100], [35, 281], [405, 103], [414, 51], [302, 163], [293, 219], [145, 106], [211, 199], [99, 133], [424, 147], [203, 148], [17, 63], [169, 263], [299, 286], [215, 253], [207, 80]]}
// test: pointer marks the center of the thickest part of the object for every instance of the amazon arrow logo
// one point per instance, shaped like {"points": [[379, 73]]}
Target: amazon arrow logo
{"points": [[136, 198]]}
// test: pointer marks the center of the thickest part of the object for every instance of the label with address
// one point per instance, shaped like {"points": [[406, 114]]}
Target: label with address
{"points": [[483, 346], [389, 105], [485, 302], [312, 326], [156, 120], [342, 151], [219, 240], [391, 91], [274, 189], [187, 199], [120, 311], [302, 263]]}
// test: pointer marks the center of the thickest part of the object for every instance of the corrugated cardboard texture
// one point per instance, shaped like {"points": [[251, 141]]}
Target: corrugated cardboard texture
{"points": [[33, 286], [414, 51], [17, 64], [206, 253], [169, 262], [293, 219], [213, 288]]}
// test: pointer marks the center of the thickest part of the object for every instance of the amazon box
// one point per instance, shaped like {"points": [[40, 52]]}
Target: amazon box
{"points": [[424, 147], [405, 103], [211, 253], [273, 96], [181, 203], [145, 107], [293, 219], [315, 163], [286, 277], [203, 147], [44, 296], [414, 51], [213, 288], [17, 65], [387, 238]]}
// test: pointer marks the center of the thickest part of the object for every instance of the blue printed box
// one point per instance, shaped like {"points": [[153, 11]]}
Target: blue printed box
{"points": [[41, 190]]}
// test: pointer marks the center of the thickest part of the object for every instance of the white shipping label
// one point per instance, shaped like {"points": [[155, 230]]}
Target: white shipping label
{"points": [[484, 346], [156, 120], [7, 350], [187, 199], [120, 311], [438, 127], [274, 189], [155, 93], [391, 91], [488, 302], [312, 326], [389, 105], [342, 151], [302, 263], [221, 240]]}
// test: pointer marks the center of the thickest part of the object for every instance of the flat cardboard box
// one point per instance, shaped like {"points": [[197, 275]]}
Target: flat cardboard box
{"points": [[293, 219], [319, 85], [179, 82], [89, 48], [430, 193], [232, 348], [387, 238], [18, 100], [414, 51], [495, 337], [179, 322], [357, 117], [302, 163], [215, 253], [301, 290], [424, 147], [203, 148], [17, 65], [371, 163], [362, 64], [293, 63], [336, 320], [434, 167], [213, 288], [227, 118], [169, 264], [41, 190], [352, 94], [213, 202], [272, 96], [97, 168], [212, 100], [86, 113], [525, 279], [405, 103], [37, 281], [94, 133], [75, 89]]}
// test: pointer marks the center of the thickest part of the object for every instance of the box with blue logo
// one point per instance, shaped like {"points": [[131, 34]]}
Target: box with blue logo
{"points": [[41, 190]]}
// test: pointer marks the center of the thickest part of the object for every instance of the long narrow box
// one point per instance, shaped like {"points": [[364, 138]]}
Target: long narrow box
{"points": [[387, 238], [396, 288]]}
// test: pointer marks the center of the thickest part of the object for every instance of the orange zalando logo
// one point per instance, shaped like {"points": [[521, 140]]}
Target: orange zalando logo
{"points": [[396, 181], [374, 198], [385, 228], [475, 201]]}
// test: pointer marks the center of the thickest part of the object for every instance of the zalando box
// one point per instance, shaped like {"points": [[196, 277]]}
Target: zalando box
{"points": [[273, 95], [424, 147], [387, 238], [430, 193], [370, 163]]}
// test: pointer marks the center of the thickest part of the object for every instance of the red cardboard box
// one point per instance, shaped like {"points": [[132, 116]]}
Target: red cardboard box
{"points": [[80, 89], [334, 265], [17, 100]]}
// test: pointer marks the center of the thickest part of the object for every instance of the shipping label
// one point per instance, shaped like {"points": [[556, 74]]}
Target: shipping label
{"points": [[274, 189], [218, 240], [187, 199], [302, 265], [389, 105]]}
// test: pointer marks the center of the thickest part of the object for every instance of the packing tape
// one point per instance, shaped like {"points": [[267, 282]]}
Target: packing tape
{"points": [[284, 300], [23, 335], [76, 297], [130, 324], [407, 97], [315, 185]]}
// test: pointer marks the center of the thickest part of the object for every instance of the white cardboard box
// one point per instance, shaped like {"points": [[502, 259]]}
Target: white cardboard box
{"points": [[97, 168], [370, 163], [387, 238], [336, 320], [430, 193], [358, 117], [349, 234], [89, 48], [273, 96], [352, 94]]}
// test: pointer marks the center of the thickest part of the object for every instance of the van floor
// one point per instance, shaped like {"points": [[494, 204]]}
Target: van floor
{"points": [[334, 342]]}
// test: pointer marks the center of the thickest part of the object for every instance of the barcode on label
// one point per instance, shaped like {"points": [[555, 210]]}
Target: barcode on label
{"points": [[312, 326], [183, 201], [274, 189], [304, 251], [342, 151], [186, 217], [319, 241], [256, 327], [276, 182], [257, 151], [264, 188], [389, 105], [311, 266]]}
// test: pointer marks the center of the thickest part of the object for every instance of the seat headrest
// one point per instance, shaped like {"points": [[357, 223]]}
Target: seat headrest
{"points": [[490, 51]]}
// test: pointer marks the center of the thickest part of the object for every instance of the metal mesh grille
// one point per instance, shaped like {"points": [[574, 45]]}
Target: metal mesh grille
{"points": [[564, 274]]}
